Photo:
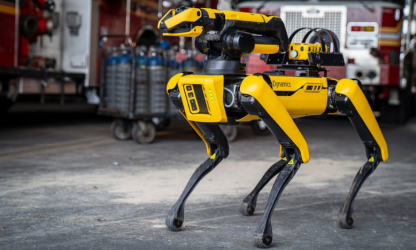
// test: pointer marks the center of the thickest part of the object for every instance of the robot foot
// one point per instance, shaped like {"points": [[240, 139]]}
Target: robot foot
{"points": [[173, 221], [262, 241]]}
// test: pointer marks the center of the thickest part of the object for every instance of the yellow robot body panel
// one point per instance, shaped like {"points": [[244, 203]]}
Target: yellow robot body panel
{"points": [[202, 97], [256, 87], [350, 89], [295, 83], [301, 96]]}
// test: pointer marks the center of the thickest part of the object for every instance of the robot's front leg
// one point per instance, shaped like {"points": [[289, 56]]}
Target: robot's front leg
{"points": [[248, 206], [257, 98], [351, 101], [217, 149], [264, 235]]}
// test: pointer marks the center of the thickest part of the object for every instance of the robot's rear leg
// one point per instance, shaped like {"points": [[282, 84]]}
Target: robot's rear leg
{"points": [[248, 206], [219, 146], [346, 216], [351, 101]]}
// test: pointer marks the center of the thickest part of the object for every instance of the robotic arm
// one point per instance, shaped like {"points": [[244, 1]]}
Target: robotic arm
{"points": [[226, 34], [225, 94]]}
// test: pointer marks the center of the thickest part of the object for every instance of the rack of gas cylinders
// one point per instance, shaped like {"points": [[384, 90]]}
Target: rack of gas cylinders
{"points": [[133, 89]]}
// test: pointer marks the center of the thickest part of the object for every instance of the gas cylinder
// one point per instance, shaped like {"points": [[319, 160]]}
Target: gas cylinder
{"points": [[111, 76], [123, 79], [157, 82], [142, 100]]}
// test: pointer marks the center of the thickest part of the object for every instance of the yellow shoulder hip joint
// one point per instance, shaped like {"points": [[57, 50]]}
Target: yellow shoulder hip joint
{"points": [[350, 89], [258, 88]]}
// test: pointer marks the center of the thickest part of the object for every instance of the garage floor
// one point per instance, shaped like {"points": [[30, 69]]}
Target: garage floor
{"points": [[65, 183]]}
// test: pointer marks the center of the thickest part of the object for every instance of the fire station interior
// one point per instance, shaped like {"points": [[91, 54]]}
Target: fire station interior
{"points": [[281, 124]]}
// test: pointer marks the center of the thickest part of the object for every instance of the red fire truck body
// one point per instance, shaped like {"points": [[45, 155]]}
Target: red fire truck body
{"points": [[49, 48], [370, 35], [7, 46]]}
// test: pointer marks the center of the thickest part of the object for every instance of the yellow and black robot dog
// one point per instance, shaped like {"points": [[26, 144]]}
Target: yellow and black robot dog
{"points": [[224, 94]]}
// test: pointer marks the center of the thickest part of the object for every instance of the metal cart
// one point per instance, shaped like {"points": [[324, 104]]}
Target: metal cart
{"points": [[138, 101]]}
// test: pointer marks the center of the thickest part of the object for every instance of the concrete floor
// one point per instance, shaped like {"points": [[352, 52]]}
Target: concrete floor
{"points": [[65, 183]]}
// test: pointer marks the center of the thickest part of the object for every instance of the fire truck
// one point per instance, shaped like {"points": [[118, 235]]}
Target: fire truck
{"points": [[372, 42], [49, 48]]}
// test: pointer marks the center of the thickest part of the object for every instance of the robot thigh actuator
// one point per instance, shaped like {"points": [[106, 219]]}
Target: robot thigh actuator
{"points": [[224, 94]]}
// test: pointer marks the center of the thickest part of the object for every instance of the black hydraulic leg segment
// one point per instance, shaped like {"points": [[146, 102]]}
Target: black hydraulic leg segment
{"points": [[263, 236], [219, 146], [346, 216], [176, 215], [248, 206]]}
